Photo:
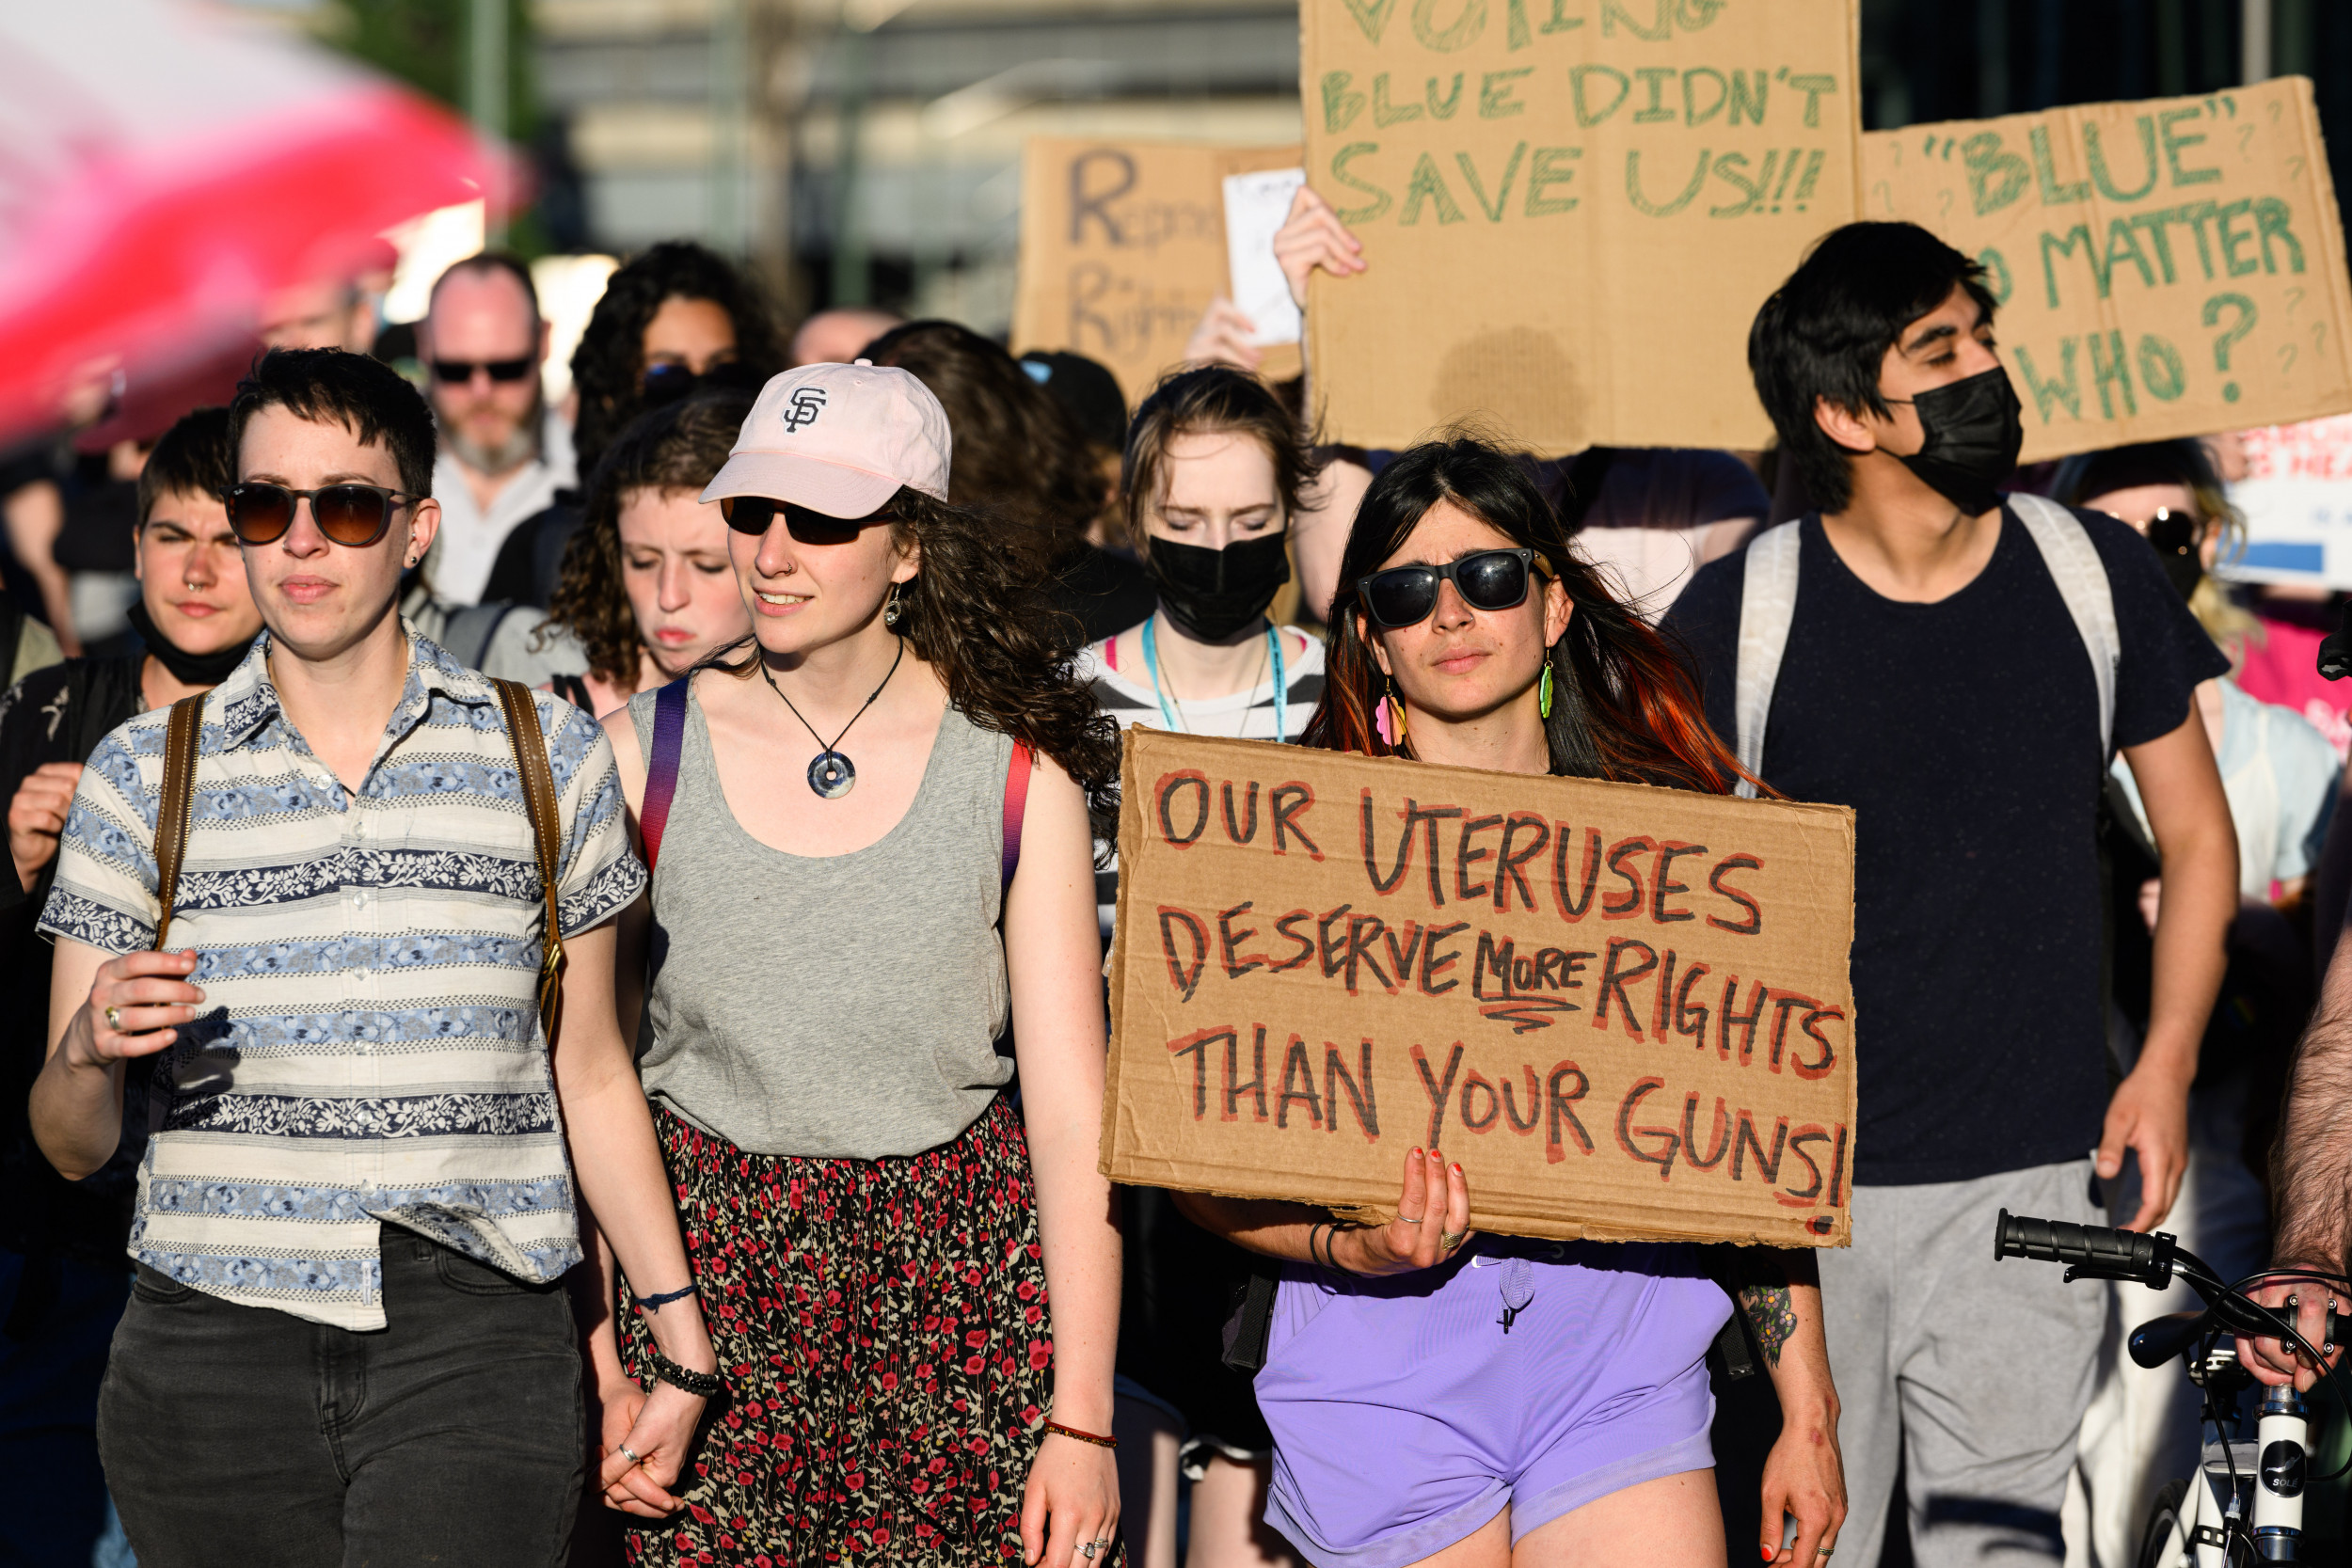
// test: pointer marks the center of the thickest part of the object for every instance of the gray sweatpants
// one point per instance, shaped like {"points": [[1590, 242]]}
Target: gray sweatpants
{"points": [[1975, 1373]]}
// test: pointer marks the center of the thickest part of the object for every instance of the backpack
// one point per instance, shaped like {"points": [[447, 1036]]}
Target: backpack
{"points": [[1768, 606]]}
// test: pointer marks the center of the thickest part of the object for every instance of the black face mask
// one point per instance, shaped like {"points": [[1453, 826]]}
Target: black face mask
{"points": [[1211, 595], [1974, 429], [187, 669]]}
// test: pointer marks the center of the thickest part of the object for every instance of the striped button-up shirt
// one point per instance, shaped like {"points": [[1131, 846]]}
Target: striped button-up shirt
{"points": [[370, 1046]]}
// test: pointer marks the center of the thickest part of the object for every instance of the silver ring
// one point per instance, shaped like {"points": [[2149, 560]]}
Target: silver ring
{"points": [[630, 1454], [1412, 1219], [114, 1020]]}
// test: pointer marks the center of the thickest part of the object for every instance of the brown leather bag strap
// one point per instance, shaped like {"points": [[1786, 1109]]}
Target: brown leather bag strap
{"points": [[547, 832], [181, 735]]}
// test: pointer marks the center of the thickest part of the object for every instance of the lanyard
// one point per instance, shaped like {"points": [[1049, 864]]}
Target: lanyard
{"points": [[1282, 689]]}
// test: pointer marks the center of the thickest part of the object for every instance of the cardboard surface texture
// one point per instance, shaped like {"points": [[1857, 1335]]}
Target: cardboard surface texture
{"points": [[1122, 248], [1571, 209], [1624, 1012], [2164, 268]]}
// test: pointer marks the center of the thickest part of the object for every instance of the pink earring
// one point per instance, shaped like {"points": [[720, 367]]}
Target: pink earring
{"points": [[1388, 717]]}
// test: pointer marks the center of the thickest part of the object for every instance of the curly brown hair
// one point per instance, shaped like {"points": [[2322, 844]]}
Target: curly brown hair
{"points": [[1016, 452], [677, 447], [978, 613], [608, 366]]}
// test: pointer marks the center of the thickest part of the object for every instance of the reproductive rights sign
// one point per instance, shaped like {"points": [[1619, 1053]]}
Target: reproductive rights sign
{"points": [[1624, 1012]]}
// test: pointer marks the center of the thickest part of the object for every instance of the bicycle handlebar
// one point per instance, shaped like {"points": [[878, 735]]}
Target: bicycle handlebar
{"points": [[2112, 1254], [2102, 1253]]}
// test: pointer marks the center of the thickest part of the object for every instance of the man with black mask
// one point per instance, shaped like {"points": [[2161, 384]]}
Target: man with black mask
{"points": [[1957, 666], [64, 1277]]}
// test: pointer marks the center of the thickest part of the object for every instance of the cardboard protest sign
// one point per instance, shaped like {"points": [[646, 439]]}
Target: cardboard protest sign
{"points": [[1571, 209], [2296, 498], [2164, 268], [1122, 248], [1624, 1012]]}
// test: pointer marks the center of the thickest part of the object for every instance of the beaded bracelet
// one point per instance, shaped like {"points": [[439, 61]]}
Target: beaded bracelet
{"points": [[1082, 1436], [708, 1386]]}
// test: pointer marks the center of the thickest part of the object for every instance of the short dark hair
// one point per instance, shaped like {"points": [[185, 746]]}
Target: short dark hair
{"points": [[1825, 332], [195, 457], [357, 391], [486, 261]]}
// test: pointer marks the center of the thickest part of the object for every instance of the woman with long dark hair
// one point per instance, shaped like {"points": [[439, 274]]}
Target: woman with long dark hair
{"points": [[914, 1284], [1467, 633], [677, 319]]}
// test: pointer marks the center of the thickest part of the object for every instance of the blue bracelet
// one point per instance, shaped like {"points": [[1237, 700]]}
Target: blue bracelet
{"points": [[654, 1303]]}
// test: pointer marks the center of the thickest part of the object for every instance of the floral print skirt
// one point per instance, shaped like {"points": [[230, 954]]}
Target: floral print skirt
{"points": [[882, 1326]]}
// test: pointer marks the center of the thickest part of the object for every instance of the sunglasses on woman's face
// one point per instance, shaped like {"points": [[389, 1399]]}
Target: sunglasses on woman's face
{"points": [[757, 513], [2175, 533], [670, 380], [1407, 596], [353, 515]]}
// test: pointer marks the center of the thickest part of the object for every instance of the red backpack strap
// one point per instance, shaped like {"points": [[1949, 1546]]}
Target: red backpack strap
{"points": [[1016, 803], [669, 740]]}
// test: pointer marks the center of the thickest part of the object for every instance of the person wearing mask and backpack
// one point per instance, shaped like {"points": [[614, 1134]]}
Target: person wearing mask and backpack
{"points": [[1958, 667]]}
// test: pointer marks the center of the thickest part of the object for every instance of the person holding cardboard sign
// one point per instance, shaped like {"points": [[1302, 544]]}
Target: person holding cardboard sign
{"points": [[1530, 1402], [918, 1281], [1957, 666]]}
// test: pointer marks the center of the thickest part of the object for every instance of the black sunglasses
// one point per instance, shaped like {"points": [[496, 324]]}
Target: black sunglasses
{"points": [[757, 513], [2175, 533], [670, 381], [353, 515], [1407, 596], [456, 371]]}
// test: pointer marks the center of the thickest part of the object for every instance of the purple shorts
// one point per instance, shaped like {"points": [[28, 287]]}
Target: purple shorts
{"points": [[1405, 1416]]}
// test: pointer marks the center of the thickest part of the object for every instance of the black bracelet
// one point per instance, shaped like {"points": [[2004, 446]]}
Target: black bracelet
{"points": [[654, 1303], [708, 1386]]}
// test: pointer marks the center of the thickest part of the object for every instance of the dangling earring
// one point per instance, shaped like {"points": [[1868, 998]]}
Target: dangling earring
{"points": [[1543, 689], [894, 609], [1388, 715]]}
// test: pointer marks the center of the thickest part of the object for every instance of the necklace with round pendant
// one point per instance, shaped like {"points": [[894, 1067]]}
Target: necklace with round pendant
{"points": [[832, 775]]}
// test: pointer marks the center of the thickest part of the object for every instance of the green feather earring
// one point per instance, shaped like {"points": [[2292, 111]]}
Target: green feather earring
{"points": [[1543, 691]]}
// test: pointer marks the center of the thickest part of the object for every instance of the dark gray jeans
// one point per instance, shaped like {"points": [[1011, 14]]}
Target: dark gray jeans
{"points": [[243, 1437]]}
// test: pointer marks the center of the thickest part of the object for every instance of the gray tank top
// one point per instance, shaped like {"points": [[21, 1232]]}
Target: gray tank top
{"points": [[841, 1007]]}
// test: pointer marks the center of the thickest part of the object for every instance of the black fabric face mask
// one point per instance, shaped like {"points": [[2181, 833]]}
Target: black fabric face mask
{"points": [[1974, 429], [1211, 595], [186, 668]]}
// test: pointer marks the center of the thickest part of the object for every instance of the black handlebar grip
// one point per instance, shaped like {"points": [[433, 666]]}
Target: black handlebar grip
{"points": [[2125, 1253]]}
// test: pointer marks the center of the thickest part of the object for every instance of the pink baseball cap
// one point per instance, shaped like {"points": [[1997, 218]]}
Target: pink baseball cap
{"points": [[839, 439]]}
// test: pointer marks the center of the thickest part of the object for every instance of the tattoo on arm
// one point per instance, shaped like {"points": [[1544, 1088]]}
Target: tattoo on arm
{"points": [[1771, 1315]]}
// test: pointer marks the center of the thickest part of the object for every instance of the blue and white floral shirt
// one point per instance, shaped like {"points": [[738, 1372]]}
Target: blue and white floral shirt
{"points": [[370, 1049]]}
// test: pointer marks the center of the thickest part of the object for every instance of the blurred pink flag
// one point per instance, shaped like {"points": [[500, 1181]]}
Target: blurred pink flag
{"points": [[165, 166]]}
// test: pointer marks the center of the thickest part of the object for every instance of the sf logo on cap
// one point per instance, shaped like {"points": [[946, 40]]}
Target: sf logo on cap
{"points": [[807, 403]]}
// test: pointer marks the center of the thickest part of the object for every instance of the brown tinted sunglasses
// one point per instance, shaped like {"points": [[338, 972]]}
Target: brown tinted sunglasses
{"points": [[353, 515]]}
